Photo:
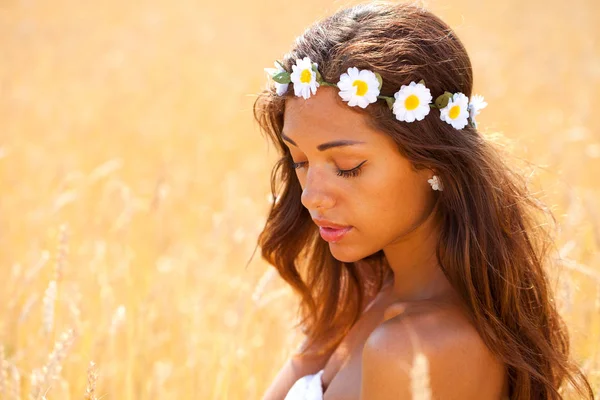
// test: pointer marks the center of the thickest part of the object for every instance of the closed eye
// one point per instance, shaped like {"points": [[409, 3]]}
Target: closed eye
{"points": [[346, 173]]}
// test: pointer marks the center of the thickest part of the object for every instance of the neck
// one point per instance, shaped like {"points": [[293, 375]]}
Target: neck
{"points": [[412, 259]]}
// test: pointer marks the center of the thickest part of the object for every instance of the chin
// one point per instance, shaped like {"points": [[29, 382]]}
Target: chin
{"points": [[345, 254]]}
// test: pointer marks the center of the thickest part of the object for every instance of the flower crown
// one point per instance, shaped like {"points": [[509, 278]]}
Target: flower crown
{"points": [[361, 87]]}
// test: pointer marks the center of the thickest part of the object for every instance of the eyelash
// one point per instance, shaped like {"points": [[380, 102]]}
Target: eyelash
{"points": [[347, 173]]}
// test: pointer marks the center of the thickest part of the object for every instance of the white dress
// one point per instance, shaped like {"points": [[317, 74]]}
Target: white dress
{"points": [[309, 387]]}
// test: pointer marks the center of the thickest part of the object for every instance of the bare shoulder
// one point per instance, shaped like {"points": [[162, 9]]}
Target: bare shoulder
{"points": [[437, 352]]}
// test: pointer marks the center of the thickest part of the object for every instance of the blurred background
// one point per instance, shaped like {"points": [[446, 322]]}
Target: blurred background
{"points": [[134, 183]]}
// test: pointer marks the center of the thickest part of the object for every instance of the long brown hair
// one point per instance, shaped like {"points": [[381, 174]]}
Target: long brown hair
{"points": [[492, 248]]}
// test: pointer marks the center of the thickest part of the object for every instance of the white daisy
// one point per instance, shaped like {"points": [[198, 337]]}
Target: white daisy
{"points": [[280, 88], [358, 87], [456, 112], [475, 106], [412, 102], [304, 78]]}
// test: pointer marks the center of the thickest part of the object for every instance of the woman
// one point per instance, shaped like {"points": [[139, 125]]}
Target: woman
{"points": [[414, 247]]}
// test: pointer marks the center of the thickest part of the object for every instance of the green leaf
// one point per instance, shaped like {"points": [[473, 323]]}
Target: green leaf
{"points": [[282, 77], [319, 77], [442, 100], [390, 102], [422, 82], [379, 79]]}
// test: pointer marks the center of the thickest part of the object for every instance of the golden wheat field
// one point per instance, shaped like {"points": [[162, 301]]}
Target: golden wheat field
{"points": [[134, 183]]}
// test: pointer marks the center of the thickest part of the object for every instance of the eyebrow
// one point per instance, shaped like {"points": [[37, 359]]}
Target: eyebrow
{"points": [[327, 145]]}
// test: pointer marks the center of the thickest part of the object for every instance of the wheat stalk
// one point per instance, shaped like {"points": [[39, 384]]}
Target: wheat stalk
{"points": [[61, 252], [43, 378], [92, 377], [3, 372], [15, 384], [262, 283], [27, 307], [48, 307], [118, 318], [34, 271]]}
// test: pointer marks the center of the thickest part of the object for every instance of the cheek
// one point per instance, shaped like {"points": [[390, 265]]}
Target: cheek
{"points": [[397, 202]]}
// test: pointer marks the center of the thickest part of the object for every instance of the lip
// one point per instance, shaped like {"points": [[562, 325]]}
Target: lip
{"points": [[323, 223], [330, 231], [333, 235]]}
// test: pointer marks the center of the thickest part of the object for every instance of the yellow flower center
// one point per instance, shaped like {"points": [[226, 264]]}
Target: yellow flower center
{"points": [[454, 112], [411, 102], [305, 76], [361, 87]]}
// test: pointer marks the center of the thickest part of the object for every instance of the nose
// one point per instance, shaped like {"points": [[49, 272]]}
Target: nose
{"points": [[315, 194]]}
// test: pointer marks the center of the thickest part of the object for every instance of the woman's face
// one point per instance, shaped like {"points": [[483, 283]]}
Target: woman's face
{"points": [[382, 200]]}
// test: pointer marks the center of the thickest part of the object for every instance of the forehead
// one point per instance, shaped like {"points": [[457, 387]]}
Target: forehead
{"points": [[325, 116]]}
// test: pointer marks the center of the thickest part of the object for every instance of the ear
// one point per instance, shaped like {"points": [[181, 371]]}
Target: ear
{"points": [[428, 173]]}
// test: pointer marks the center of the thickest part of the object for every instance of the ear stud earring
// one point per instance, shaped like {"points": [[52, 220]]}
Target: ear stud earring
{"points": [[435, 183]]}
